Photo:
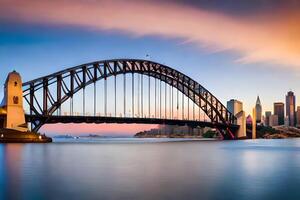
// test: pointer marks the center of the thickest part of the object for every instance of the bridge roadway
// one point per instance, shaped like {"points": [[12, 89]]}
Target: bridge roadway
{"points": [[128, 120]]}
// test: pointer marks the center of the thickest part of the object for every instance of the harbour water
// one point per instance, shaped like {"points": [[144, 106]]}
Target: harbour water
{"points": [[151, 169]]}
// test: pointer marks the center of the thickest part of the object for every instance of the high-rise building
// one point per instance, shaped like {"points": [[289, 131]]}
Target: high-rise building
{"points": [[234, 106], [290, 102], [279, 111], [286, 121], [258, 110], [298, 116], [267, 118], [273, 120]]}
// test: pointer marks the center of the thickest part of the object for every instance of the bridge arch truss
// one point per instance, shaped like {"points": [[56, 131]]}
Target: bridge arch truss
{"points": [[69, 81]]}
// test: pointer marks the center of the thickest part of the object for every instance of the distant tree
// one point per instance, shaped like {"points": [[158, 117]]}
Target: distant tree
{"points": [[209, 134], [263, 130]]}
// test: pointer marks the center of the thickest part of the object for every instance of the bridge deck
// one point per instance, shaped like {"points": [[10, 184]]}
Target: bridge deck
{"points": [[121, 120]]}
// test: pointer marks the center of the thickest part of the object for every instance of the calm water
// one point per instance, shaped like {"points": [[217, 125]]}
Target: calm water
{"points": [[151, 169]]}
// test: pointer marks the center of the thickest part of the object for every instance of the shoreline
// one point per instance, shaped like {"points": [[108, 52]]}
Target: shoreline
{"points": [[278, 135], [15, 136]]}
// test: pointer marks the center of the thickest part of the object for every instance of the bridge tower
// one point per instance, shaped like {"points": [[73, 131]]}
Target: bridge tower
{"points": [[11, 108]]}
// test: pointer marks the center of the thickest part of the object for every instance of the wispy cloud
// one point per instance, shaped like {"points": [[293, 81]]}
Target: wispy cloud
{"points": [[271, 38]]}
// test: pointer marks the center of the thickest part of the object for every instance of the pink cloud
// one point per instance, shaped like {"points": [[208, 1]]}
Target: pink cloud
{"points": [[273, 39]]}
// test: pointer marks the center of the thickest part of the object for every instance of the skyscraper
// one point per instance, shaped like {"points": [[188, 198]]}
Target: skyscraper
{"points": [[267, 118], [290, 101], [234, 106], [258, 109], [279, 111], [298, 117], [273, 120]]}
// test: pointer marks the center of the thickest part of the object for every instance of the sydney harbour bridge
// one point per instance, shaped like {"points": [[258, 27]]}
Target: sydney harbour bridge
{"points": [[124, 91]]}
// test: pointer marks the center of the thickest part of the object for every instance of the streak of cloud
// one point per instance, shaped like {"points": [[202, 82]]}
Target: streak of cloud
{"points": [[272, 38]]}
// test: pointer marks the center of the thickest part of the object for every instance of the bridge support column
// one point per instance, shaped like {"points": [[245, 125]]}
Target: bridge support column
{"points": [[254, 123], [241, 121]]}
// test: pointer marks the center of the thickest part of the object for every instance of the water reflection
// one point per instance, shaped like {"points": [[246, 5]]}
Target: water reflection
{"points": [[150, 170], [10, 171]]}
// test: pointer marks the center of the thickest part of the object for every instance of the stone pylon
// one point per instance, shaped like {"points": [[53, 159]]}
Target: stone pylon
{"points": [[12, 103]]}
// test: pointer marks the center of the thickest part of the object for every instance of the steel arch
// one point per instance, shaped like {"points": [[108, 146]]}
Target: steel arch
{"points": [[72, 80]]}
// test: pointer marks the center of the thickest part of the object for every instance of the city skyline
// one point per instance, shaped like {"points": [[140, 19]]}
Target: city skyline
{"points": [[283, 113], [39, 41]]}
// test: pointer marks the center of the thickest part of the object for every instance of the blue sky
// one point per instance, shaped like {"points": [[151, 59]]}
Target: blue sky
{"points": [[35, 51]]}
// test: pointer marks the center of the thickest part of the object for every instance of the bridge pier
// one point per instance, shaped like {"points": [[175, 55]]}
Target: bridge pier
{"points": [[13, 127], [241, 121]]}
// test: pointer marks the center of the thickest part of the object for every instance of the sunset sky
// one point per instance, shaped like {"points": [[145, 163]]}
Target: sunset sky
{"points": [[235, 48]]}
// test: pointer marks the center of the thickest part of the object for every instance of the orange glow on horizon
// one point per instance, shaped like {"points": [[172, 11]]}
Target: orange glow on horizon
{"points": [[101, 129]]}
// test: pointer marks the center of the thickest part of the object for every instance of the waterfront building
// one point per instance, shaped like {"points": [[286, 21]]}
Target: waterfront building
{"points": [[258, 110], [273, 120], [286, 121], [279, 111], [290, 102], [267, 118], [298, 116], [234, 106]]}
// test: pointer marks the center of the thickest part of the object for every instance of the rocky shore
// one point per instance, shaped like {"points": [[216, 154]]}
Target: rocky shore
{"points": [[283, 132]]}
